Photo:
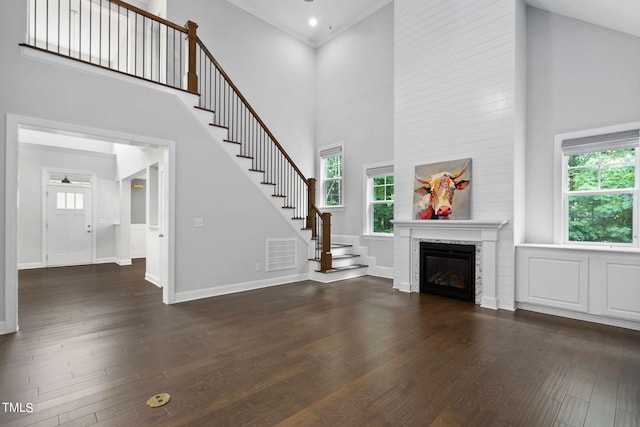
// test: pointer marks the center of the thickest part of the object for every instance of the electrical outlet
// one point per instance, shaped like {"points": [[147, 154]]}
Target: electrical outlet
{"points": [[258, 266], [198, 222]]}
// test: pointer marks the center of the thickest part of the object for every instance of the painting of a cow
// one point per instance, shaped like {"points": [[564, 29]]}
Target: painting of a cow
{"points": [[436, 186]]}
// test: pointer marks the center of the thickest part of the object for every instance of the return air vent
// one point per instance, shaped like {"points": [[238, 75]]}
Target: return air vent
{"points": [[281, 254]]}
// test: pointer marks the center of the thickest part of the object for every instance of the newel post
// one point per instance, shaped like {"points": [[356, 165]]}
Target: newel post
{"points": [[311, 202], [192, 39], [326, 257]]}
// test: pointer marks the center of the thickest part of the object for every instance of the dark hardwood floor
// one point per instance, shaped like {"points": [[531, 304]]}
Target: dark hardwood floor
{"points": [[96, 342]]}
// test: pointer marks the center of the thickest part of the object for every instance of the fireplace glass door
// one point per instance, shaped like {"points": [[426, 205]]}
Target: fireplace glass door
{"points": [[448, 270]]}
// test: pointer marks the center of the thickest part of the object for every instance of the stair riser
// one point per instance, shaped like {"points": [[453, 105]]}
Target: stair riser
{"points": [[341, 251]]}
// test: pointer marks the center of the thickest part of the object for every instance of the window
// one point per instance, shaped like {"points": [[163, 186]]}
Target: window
{"points": [[66, 200], [600, 188], [331, 167], [379, 199]]}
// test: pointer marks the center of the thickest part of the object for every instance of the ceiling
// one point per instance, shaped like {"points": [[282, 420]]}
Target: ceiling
{"points": [[292, 16], [335, 16]]}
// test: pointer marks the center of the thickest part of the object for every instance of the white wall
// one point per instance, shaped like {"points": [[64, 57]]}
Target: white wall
{"points": [[355, 106], [274, 71], [580, 76], [455, 80], [233, 240], [33, 158]]}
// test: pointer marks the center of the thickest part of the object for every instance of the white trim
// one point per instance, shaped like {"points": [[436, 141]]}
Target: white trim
{"points": [[560, 223], [46, 171], [583, 247], [367, 203], [378, 271], [13, 122], [152, 279], [11, 225], [3, 328], [30, 265], [105, 260], [322, 176], [621, 323], [237, 287], [123, 262]]}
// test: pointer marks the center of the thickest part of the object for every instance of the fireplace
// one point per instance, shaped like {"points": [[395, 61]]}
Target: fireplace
{"points": [[448, 270]]}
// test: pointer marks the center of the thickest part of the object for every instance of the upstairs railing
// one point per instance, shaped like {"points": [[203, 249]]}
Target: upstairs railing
{"points": [[117, 36]]}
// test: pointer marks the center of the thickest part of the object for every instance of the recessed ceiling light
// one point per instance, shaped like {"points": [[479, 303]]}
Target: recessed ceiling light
{"points": [[313, 22]]}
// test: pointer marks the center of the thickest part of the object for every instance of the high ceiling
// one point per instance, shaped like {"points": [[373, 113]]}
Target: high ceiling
{"points": [[292, 16], [334, 16]]}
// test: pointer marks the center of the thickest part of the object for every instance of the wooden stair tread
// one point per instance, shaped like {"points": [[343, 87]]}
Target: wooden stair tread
{"points": [[337, 257], [219, 126], [232, 142], [345, 268], [242, 156], [204, 109], [340, 245]]}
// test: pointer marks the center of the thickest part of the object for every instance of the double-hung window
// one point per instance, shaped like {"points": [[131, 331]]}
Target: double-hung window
{"points": [[600, 188], [331, 167], [379, 200]]}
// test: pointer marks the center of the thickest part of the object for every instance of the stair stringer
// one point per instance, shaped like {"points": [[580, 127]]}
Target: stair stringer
{"points": [[219, 134]]}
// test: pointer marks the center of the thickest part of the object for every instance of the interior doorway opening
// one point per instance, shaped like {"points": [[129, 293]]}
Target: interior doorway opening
{"points": [[68, 198]]}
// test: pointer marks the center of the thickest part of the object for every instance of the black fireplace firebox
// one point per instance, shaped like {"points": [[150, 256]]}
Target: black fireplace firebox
{"points": [[448, 270]]}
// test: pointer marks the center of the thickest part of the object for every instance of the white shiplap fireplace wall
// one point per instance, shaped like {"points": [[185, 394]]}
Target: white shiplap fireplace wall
{"points": [[455, 87]]}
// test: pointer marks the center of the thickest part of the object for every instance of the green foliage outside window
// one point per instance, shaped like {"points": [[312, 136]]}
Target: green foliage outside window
{"points": [[606, 216], [382, 213], [333, 181]]}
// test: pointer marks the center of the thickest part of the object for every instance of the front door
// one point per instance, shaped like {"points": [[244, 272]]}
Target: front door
{"points": [[69, 225]]}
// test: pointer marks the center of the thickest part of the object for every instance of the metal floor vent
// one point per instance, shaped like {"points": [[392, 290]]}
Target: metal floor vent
{"points": [[281, 254]]}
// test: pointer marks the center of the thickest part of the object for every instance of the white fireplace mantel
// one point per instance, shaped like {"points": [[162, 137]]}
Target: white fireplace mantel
{"points": [[410, 232]]}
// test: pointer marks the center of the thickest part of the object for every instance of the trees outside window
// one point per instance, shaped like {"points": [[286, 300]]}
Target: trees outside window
{"points": [[379, 200], [331, 169], [600, 189]]}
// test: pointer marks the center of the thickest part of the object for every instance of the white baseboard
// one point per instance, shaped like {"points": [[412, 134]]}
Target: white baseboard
{"points": [[152, 279], [123, 262], [30, 265], [105, 260], [378, 271], [587, 317], [237, 287], [487, 302], [3, 328]]}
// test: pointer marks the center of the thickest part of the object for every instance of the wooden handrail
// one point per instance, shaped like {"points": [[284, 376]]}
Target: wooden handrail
{"points": [[250, 108], [149, 15], [282, 172]]}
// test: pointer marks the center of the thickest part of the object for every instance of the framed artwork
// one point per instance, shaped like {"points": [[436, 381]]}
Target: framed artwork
{"points": [[442, 190]]}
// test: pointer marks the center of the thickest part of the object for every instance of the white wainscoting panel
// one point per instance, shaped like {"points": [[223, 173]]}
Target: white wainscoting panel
{"points": [[554, 280], [597, 284], [621, 292]]}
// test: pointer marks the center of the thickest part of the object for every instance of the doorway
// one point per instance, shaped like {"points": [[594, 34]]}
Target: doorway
{"points": [[69, 211], [68, 219]]}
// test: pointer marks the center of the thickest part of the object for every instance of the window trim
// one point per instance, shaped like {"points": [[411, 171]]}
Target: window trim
{"points": [[323, 178], [561, 196], [385, 169]]}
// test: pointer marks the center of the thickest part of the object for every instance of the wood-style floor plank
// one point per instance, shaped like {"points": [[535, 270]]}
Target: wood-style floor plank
{"points": [[96, 342]]}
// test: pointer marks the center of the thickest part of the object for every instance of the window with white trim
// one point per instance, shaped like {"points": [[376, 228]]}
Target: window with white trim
{"points": [[331, 167], [600, 188], [379, 200]]}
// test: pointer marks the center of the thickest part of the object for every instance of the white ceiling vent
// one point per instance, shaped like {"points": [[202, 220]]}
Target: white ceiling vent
{"points": [[281, 254]]}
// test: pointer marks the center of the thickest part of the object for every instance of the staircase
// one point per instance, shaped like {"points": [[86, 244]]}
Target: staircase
{"points": [[160, 51]]}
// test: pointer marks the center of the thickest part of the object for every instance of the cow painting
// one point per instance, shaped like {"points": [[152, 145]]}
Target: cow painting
{"points": [[435, 191]]}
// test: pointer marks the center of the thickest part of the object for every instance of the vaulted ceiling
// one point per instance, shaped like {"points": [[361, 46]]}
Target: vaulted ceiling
{"points": [[334, 16]]}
